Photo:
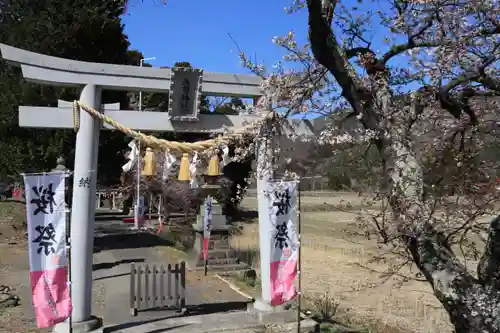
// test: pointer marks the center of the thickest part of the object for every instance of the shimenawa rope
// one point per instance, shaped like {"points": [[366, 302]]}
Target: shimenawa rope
{"points": [[154, 142]]}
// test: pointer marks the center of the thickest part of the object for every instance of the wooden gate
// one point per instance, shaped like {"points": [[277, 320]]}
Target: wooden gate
{"points": [[157, 286]]}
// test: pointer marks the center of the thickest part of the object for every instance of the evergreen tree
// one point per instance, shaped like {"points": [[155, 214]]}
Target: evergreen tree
{"points": [[86, 30]]}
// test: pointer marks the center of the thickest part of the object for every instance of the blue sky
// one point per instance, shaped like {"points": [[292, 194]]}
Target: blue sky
{"points": [[197, 31]]}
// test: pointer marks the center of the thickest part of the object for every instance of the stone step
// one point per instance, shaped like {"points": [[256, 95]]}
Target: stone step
{"points": [[213, 262], [225, 261], [221, 268], [306, 326], [220, 237], [236, 322], [221, 253], [218, 244]]}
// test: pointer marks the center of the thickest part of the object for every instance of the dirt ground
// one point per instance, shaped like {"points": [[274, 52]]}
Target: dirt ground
{"points": [[14, 272], [333, 250], [14, 269]]}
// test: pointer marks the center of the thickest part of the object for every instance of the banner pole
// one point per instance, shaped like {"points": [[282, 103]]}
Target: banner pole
{"points": [[68, 244], [299, 264], [207, 228]]}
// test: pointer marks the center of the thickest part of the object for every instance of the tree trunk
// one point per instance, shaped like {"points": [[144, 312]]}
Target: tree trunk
{"points": [[473, 306]]}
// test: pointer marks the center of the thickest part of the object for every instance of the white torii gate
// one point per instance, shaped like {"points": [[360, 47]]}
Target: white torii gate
{"points": [[95, 77]]}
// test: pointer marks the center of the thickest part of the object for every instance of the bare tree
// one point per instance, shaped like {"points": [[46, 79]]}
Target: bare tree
{"points": [[429, 97], [424, 93], [449, 54]]}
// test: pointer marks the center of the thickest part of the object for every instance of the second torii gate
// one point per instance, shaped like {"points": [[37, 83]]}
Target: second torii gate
{"points": [[186, 87]]}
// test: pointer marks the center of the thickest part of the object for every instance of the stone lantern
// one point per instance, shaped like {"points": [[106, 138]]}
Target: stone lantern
{"points": [[68, 185], [220, 255]]}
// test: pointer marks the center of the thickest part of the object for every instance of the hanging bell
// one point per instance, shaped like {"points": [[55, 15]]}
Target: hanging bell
{"points": [[149, 163], [184, 173], [213, 169]]}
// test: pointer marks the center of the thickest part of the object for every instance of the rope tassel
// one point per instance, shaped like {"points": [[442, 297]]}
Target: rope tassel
{"points": [[149, 163], [184, 173]]}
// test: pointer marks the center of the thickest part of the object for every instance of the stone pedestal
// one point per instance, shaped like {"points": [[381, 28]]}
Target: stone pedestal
{"points": [[92, 325], [220, 255], [266, 313]]}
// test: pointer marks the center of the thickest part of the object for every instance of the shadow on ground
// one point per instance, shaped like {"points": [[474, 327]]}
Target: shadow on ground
{"points": [[115, 239], [110, 276], [109, 265], [106, 216], [246, 216], [204, 309], [195, 310], [115, 328]]}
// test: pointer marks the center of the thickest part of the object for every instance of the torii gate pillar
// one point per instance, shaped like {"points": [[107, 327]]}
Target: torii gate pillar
{"points": [[82, 216]]}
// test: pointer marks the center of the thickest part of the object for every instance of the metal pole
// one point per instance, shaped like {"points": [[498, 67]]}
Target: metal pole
{"points": [[138, 171], [138, 186], [150, 205], [299, 271], [140, 97], [159, 211], [68, 246]]}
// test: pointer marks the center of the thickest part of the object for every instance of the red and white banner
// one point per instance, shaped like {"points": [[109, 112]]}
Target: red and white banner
{"points": [[46, 216], [284, 238], [207, 226]]}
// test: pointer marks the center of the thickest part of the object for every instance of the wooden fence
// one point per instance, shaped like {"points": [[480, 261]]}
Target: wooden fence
{"points": [[157, 286]]}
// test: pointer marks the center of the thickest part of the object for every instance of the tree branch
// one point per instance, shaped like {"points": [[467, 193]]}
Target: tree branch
{"points": [[413, 44], [326, 51], [351, 53], [400, 48], [456, 107]]}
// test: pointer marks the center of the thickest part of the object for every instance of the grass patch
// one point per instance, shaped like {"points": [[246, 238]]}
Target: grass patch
{"points": [[180, 237], [321, 309], [178, 242], [249, 286], [12, 220], [325, 207], [171, 254], [334, 328], [14, 211]]}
